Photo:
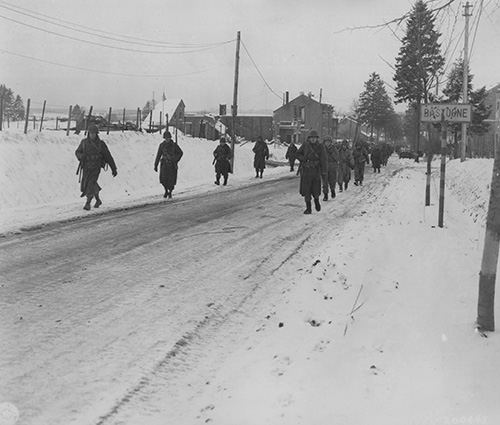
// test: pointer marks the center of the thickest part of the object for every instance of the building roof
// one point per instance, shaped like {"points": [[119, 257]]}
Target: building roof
{"points": [[163, 108], [301, 97]]}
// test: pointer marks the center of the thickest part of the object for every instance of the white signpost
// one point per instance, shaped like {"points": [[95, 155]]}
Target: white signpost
{"points": [[453, 112], [444, 113]]}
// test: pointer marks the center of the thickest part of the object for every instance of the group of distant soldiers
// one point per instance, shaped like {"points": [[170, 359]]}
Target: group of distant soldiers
{"points": [[325, 165], [322, 165]]}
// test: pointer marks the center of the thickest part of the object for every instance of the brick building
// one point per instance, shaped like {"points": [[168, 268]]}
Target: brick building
{"points": [[296, 118]]}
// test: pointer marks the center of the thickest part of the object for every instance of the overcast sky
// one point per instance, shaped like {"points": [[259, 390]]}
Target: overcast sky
{"points": [[294, 43]]}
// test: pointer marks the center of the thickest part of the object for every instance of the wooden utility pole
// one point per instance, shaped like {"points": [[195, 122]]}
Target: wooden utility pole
{"points": [[320, 114], [234, 108], [26, 119], [487, 276], [43, 114], [465, 79], [1, 113], [69, 119], [109, 120], [443, 171]]}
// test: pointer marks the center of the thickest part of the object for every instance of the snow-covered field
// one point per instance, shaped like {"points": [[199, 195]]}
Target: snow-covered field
{"points": [[39, 182]]}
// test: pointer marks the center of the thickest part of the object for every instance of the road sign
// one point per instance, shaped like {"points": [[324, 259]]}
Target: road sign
{"points": [[453, 112]]}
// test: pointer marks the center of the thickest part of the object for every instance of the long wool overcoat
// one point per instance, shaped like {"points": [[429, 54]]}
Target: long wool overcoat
{"points": [[93, 155], [168, 156], [313, 164]]}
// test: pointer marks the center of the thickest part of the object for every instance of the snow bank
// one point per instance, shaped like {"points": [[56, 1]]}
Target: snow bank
{"points": [[39, 182], [470, 183]]}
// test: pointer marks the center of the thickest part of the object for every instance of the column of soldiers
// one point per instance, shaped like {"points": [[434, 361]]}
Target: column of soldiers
{"points": [[325, 165], [322, 167]]}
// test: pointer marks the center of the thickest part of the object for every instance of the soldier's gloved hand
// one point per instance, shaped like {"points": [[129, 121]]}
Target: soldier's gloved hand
{"points": [[156, 169], [114, 173]]}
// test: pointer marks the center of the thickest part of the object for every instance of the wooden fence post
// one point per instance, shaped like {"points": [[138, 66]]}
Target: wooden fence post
{"points": [[443, 172], [150, 119], [137, 118], [88, 120], [69, 119], [109, 120], [26, 118], [123, 121], [34, 122], [43, 114]]}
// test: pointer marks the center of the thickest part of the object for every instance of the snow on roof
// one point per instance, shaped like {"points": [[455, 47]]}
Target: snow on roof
{"points": [[162, 109]]}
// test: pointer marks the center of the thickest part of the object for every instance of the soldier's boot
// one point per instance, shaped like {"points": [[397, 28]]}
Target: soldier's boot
{"points": [[340, 187], [355, 182], [256, 174], [98, 202], [87, 204], [317, 205], [325, 197], [308, 208], [261, 172], [225, 180], [165, 195], [361, 182], [217, 179], [345, 185], [170, 193], [333, 193]]}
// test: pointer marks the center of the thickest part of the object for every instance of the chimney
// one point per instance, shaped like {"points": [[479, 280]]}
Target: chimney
{"points": [[287, 98]]}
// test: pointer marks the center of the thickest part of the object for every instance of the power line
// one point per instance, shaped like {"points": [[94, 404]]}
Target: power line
{"points": [[95, 32], [114, 47], [258, 70], [122, 74]]}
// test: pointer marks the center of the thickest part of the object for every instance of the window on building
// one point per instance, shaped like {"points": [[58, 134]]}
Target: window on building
{"points": [[302, 111]]}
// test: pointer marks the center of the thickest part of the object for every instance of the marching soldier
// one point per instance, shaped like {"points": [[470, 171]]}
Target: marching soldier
{"points": [[93, 155], [313, 164]]}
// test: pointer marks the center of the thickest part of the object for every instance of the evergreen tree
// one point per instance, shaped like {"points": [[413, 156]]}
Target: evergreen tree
{"points": [[477, 99], [374, 106], [7, 96], [418, 61], [77, 113], [18, 109]]}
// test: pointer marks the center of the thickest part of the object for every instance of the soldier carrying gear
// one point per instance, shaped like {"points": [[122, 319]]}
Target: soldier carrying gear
{"points": [[313, 164], [93, 155]]}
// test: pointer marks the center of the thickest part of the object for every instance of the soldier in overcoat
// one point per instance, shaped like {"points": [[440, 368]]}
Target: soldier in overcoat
{"points": [[376, 158], [93, 154], [346, 164], [313, 164], [361, 158], [222, 161], [330, 178], [261, 153], [290, 154], [168, 156]]}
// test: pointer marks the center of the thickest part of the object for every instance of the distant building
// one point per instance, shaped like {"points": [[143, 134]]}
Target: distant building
{"points": [[484, 145], [173, 109], [350, 129], [249, 127], [296, 118]]}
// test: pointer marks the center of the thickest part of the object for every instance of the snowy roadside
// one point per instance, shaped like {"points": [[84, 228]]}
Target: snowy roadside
{"points": [[39, 184], [375, 325]]}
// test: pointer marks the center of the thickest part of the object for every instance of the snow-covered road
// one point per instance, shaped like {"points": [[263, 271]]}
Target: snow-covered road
{"points": [[114, 317]]}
